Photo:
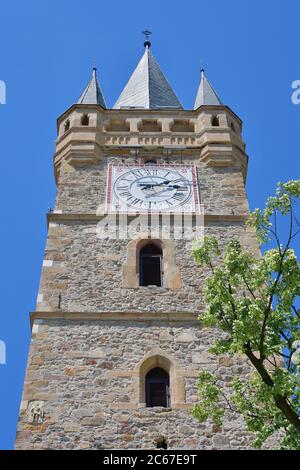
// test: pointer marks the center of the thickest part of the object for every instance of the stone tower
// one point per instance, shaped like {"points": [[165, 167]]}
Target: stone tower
{"points": [[116, 345]]}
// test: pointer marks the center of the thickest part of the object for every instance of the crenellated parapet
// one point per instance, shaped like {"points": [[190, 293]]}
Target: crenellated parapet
{"points": [[213, 132]]}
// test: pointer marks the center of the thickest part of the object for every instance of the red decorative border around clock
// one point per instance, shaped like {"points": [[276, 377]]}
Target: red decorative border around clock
{"points": [[171, 165]]}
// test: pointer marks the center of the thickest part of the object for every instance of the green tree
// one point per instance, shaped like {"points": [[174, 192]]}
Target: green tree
{"points": [[253, 300]]}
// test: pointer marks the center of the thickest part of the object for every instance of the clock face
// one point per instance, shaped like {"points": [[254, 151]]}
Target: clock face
{"points": [[152, 188]]}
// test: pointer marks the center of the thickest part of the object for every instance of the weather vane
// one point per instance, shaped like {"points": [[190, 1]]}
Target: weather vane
{"points": [[147, 34]]}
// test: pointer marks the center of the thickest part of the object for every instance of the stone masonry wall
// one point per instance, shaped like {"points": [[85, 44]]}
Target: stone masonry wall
{"points": [[83, 373], [83, 188], [87, 272]]}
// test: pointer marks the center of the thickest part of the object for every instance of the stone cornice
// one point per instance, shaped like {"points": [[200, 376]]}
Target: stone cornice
{"points": [[218, 146], [114, 316], [92, 217], [224, 136]]}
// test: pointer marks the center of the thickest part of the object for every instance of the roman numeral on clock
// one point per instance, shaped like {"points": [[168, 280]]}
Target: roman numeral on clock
{"points": [[179, 197], [177, 180], [138, 173], [126, 194], [135, 202]]}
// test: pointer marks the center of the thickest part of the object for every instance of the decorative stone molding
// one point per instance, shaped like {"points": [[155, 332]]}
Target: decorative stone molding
{"points": [[223, 155], [171, 274], [92, 217], [76, 151], [36, 412], [113, 316], [182, 125], [120, 129]]}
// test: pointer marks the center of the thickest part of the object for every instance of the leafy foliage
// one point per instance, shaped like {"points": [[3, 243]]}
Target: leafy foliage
{"points": [[253, 300]]}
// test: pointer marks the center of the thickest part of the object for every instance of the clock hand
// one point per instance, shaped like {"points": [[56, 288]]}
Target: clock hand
{"points": [[152, 185], [176, 186]]}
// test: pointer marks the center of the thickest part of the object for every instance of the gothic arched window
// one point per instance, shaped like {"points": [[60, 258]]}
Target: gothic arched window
{"points": [[85, 120], [151, 260], [157, 388], [215, 121]]}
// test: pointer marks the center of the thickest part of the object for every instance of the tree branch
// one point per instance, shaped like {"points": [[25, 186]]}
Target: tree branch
{"points": [[279, 273], [280, 401]]}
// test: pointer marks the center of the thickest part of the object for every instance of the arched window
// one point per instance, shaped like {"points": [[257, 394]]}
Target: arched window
{"points": [[85, 120], [67, 125], [151, 261], [215, 121], [157, 388], [134, 267], [150, 162]]}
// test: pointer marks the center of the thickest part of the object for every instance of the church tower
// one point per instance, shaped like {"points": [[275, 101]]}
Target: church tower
{"points": [[116, 345]]}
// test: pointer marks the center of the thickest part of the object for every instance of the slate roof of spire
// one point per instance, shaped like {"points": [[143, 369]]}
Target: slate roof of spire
{"points": [[92, 93], [148, 87], [206, 94]]}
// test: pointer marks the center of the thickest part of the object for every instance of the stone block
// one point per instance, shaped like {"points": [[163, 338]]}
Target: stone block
{"points": [[186, 337], [226, 361], [84, 445], [165, 336], [203, 357], [70, 427], [37, 360], [96, 421], [82, 413]]}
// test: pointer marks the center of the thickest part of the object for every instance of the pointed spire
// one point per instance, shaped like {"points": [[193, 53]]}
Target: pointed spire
{"points": [[92, 93], [206, 94], [148, 87]]}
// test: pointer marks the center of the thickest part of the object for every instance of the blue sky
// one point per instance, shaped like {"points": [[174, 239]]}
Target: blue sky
{"points": [[250, 50]]}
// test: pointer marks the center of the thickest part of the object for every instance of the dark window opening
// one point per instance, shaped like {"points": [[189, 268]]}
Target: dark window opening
{"points": [[67, 125], [116, 125], [182, 126], [161, 442], [85, 120], [151, 266], [215, 121], [149, 125], [157, 388], [150, 162], [232, 127]]}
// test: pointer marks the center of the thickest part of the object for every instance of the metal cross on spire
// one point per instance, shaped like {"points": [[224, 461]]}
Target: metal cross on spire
{"points": [[147, 34]]}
